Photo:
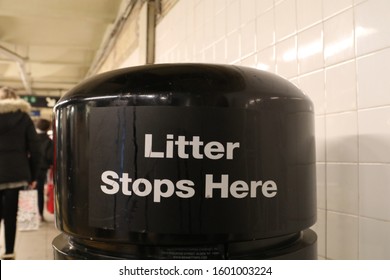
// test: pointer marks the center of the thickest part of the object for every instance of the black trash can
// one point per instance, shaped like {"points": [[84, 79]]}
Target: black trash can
{"points": [[185, 161]]}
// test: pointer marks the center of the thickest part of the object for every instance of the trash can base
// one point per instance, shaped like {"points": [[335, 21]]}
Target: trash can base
{"points": [[302, 248]]}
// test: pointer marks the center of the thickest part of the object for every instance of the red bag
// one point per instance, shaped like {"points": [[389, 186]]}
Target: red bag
{"points": [[50, 193]]}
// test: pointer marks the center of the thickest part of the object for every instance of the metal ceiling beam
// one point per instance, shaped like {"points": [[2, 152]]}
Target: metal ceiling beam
{"points": [[21, 62], [54, 63], [108, 41], [153, 9], [29, 11], [60, 63]]}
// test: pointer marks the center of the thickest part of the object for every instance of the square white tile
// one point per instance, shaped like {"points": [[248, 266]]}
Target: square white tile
{"points": [[248, 10], [209, 11], [233, 47], [248, 38], [372, 23], [285, 19], [209, 33], [264, 6], [219, 5], [198, 40], [374, 239], [373, 79], [286, 58], [220, 51], [374, 135], [220, 24], [341, 87], [374, 191], [332, 7], [339, 38], [199, 13], [309, 12], [189, 14], [341, 137], [233, 16], [310, 49], [342, 236], [265, 30], [342, 188]]}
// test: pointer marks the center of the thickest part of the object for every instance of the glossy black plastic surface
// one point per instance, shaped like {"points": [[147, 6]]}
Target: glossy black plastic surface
{"points": [[102, 125], [303, 247]]}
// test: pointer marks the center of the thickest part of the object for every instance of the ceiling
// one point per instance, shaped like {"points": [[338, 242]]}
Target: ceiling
{"points": [[47, 46]]}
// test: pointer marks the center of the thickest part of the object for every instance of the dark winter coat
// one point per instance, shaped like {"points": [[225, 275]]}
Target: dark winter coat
{"points": [[20, 153], [47, 151]]}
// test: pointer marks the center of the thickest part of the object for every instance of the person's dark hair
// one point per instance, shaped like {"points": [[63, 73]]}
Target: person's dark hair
{"points": [[7, 93], [43, 124]]}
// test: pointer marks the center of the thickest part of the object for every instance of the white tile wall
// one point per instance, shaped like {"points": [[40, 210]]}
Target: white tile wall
{"points": [[372, 26], [248, 10], [233, 47], [310, 46], [339, 38], [340, 83], [338, 53], [341, 137], [374, 135], [248, 39], [374, 82], [285, 19], [220, 24], [233, 16], [286, 58], [309, 12], [374, 191], [342, 188], [342, 236], [332, 7], [265, 31], [374, 239], [220, 51], [264, 5]]}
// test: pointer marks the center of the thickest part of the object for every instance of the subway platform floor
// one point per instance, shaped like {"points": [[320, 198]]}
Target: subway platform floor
{"points": [[35, 244]]}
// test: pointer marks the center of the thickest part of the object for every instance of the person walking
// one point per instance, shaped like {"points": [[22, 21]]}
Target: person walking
{"points": [[20, 158], [46, 144]]}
